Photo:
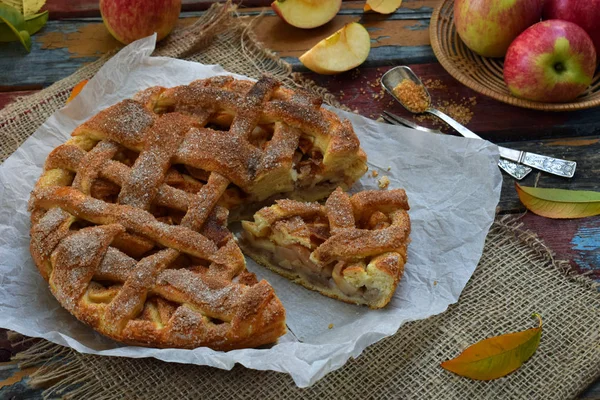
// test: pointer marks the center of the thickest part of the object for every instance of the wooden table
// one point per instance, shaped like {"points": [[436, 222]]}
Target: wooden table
{"points": [[75, 35]]}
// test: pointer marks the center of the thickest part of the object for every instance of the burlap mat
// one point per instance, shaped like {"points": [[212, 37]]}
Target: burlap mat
{"points": [[516, 277]]}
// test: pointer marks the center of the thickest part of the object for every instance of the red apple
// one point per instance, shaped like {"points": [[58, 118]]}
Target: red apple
{"points": [[585, 13], [552, 61], [130, 20], [489, 26]]}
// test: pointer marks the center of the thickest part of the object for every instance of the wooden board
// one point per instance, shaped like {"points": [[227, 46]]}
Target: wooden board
{"points": [[64, 45], [60, 9], [61, 47], [491, 119], [9, 97]]}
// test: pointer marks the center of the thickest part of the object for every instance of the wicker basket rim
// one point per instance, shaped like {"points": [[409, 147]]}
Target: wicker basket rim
{"points": [[449, 66]]}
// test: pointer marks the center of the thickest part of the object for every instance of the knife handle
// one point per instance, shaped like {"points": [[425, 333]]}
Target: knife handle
{"points": [[551, 165], [517, 171]]}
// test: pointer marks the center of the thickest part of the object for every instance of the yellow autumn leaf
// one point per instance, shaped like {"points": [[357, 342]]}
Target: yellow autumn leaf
{"points": [[76, 90], [25, 7], [31, 7], [559, 203], [497, 356]]}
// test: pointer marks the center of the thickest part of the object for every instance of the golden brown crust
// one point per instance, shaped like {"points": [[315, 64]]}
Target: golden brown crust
{"points": [[356, 245], [128, 218]]}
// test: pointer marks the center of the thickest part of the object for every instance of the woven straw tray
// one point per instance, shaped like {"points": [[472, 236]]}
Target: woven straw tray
{"points": [[484, 75]]}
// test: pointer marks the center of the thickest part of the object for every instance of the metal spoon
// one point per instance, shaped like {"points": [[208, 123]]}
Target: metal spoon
{"points": [[396, 75], [548, 164]]}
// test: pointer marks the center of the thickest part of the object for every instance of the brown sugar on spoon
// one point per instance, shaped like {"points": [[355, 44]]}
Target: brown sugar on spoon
{"points": [[413, 96]]}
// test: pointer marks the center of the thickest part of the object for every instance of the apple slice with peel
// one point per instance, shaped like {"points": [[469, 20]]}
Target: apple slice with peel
{"points": [[345, 49], [306, 13], [383, 6]]}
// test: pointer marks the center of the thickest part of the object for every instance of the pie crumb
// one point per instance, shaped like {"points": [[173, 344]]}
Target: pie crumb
{"points": [[330, 326], [374, 174], [383, 182], [389, 168]]}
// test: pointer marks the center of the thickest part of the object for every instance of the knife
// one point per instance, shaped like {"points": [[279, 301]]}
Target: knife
{"points": [[556, 166]]}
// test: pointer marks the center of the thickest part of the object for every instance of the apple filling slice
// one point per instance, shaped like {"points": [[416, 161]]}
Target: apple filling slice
{"points": [[352, 248]]}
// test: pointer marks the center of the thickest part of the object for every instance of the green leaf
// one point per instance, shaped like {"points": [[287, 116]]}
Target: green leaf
{"points": [[33, 24], [11, 17], [559, 203], [22, 36]]}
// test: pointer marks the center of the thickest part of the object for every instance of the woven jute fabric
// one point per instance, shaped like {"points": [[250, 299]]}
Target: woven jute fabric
{"points": [[517, 276]]}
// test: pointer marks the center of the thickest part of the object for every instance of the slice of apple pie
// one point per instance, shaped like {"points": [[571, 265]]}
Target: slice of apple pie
{"points": [[353, 248]]}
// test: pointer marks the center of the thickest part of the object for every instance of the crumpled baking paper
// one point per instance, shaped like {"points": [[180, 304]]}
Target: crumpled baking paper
{"points": [[453, 186]]}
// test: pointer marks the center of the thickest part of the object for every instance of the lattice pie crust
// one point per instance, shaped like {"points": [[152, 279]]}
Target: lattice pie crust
{"points": [[129, 218]]}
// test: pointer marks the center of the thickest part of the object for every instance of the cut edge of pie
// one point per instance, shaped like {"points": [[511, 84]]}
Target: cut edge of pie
{"points": [[353, 248]]}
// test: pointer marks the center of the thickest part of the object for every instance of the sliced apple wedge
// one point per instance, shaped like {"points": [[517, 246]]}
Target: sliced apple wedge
{"points": [[306, 13], [345, 49], [383, 6]]}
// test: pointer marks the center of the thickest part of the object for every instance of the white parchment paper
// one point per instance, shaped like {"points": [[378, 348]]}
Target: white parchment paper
{"points": [[453, 186]]}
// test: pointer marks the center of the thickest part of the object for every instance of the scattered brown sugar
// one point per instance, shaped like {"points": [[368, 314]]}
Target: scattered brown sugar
{"points": [[374, 174], [434, 84], [383, 182], [413, 96], [460, 110], [376, 83]]}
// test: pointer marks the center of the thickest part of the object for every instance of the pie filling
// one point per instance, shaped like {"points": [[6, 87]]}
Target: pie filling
{"points": [[293, 261]]}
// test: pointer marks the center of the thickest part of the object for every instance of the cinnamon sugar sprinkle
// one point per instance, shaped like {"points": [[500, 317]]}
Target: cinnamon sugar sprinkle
{"points": [[413, 96]]}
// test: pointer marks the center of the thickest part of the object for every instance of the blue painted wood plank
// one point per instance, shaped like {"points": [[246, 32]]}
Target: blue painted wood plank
{"points": [[40, 67], [586, 244], [44, 66]]}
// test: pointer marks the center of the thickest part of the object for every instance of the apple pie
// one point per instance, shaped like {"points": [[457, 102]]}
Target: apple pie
{"points": [[129, 218], [353, 248]]}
